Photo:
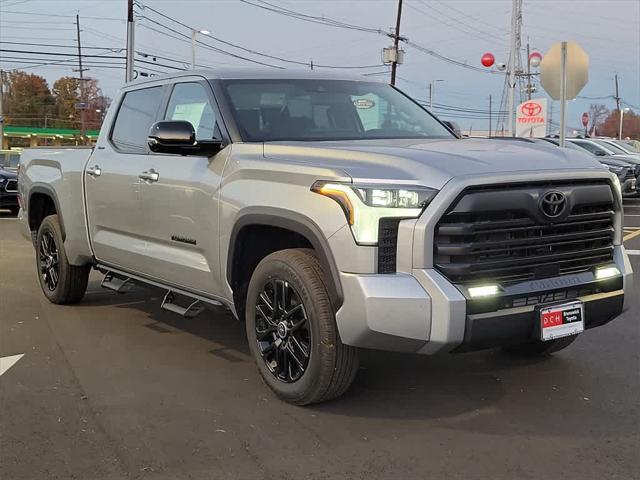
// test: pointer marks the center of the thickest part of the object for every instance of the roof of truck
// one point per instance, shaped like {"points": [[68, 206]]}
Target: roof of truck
{"points": [[260, 73]]}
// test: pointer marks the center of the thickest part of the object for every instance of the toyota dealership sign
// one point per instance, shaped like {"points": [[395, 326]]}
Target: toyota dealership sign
{"points": [[531, 118]]}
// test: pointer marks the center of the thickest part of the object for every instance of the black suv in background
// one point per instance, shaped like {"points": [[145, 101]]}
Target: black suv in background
{"points": [[9, 191]]}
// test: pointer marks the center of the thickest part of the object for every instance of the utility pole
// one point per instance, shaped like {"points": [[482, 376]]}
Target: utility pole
{"points": [[529, 86], [490, 107], [617, 97], [396, 41], [82, 90], [130, 42], [515, 19]]}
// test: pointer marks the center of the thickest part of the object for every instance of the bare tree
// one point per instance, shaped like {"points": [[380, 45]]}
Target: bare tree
{"points": [[597, 113]]}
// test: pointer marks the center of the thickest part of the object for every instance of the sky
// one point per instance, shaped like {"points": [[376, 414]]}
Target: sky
{"points": [[459, 30]]}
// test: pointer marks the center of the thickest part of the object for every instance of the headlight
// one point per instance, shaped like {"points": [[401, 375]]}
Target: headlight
{"points": [[2, 180], [615, 169], [365, 204]]}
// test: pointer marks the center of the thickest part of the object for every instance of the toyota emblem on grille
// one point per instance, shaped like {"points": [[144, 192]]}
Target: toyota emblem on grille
{"points": [[553, 204]]}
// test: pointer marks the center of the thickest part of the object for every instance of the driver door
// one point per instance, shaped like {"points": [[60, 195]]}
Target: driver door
{"points": [[180, 207]]}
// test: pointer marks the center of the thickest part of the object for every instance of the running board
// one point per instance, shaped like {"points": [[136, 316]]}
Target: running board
{"points": [[117, 283], [189, 311]]}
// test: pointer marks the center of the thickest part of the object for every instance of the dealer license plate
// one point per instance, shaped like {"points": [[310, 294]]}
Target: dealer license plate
{"points": [[561, 320]]}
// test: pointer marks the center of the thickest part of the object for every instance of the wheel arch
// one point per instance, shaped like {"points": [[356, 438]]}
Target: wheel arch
{"points": [[287, 221], [41, 199]]}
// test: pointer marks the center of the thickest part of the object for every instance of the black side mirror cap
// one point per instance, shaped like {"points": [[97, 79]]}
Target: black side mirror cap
{"points": [[179, 137], [600, 153]]}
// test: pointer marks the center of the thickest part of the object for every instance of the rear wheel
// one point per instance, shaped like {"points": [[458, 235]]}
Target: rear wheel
{"points": [[538, 347], [61, 282], [292, 332]]}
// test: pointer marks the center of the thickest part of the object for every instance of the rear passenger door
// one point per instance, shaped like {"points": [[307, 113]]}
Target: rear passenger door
{"points": [[112, 183], [180, 208]]}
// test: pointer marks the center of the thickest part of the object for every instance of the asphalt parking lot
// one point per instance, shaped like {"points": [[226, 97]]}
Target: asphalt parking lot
{"points": [[115, 388]]}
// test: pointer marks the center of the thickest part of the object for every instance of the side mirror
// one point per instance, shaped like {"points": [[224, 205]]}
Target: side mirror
{"points": [[600, 153], [179, 137], [454, 127]]}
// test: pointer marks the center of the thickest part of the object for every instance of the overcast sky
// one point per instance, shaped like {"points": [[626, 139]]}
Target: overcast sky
{"points": [[608, 30]]}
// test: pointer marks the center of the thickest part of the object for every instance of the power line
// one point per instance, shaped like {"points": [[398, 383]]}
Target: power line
{"points": [[252, 51]]}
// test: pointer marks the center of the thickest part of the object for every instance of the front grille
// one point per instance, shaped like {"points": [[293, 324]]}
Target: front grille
{"points": [[501, 234], [11, 186], [387, 244]]}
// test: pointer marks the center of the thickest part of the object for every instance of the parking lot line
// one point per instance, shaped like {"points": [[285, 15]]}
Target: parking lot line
{"points": [[7, 362], [631, 235], [633, 252]]}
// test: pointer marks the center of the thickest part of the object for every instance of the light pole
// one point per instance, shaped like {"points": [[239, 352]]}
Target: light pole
{"points": [[193, 45], [432, 87], [622, 112]]}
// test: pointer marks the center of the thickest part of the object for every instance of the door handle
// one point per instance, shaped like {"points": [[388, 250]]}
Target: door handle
{"points": [[94, 171], [150, 176]]}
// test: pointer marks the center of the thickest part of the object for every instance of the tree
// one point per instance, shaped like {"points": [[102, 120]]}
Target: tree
{"points": [[597, 113], [631, 125], [28, 100], [69, 92]]}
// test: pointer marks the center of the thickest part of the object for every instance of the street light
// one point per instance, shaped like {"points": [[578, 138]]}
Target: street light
{"points": [[622, 112], [193, 45], [432, 87]]}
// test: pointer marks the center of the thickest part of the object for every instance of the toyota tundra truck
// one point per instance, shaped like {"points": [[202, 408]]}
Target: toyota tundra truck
{"points": [[330, 214]]}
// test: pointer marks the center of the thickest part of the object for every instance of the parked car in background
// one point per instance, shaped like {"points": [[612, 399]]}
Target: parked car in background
{"points": [[9, 159], [618, 146], [9, 191], [601, 149], [627, 171]]}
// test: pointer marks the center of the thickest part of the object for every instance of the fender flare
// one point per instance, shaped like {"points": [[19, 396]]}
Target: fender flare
{"points": [[50, 192], [298, 223]]}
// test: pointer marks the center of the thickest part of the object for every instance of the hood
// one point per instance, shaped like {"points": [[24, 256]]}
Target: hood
{"points": [[428, 162], [635, 159]]}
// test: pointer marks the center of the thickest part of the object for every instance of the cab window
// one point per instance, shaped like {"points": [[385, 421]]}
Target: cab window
{"points": [[137, 113], [190, 102]]}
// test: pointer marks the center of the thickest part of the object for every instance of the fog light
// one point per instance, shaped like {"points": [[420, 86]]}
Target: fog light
{"points": [[484, 291], [607, 272]]}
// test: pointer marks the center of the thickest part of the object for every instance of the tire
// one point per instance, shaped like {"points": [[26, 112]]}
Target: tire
{"points": [[331, 366], [14, 210], [539, 348], [61, 282]]}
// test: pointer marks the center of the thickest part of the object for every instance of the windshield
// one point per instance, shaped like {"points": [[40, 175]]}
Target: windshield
{"points": [[324, 110], [626, 146], [610, 146]]}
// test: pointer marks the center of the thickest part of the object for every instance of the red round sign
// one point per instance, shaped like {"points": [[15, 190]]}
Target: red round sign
{"points": [[585, 119], [531, 109], [488, 59]]}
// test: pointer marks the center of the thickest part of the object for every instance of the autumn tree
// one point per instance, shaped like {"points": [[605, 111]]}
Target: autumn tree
{"points": [[70, 92], [611, 125], [27, 99]]}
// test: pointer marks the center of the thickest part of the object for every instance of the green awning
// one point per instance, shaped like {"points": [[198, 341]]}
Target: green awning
{"points": [[10, 131]]}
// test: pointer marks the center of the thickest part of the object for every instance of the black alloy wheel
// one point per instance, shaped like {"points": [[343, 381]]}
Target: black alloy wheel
{"points": [[49, 261], [282, 330]]}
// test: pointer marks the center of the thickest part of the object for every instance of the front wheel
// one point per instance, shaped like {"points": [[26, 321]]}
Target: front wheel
{"points": [[61, 282], [292, 332]]}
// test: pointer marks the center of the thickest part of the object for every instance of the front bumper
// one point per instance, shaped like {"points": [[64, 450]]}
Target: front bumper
{"points": [[424, 313]]}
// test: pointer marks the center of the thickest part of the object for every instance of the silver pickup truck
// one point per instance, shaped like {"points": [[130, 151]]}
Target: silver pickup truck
{"points": [[329, 214]]}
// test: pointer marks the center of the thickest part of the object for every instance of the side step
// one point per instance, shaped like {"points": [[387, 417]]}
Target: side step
{"points": [[117, 283], [189, 311]]}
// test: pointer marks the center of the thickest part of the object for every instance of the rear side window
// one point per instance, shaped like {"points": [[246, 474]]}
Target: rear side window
{"points": [[137, 113]]}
